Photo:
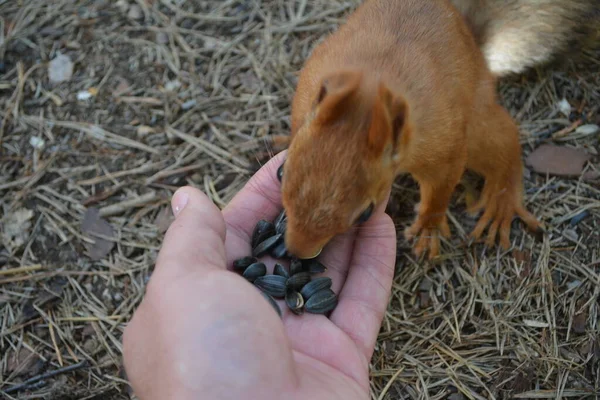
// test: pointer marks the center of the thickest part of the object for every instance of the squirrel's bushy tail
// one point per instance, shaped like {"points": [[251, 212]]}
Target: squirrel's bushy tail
{"points": [[516, 35]]}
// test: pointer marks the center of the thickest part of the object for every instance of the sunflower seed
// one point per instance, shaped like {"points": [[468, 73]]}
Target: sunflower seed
{"points": [[295, 267], [294, 301], [280, 172], [271, 284], [280, 228], [262, 231], [280, 218], [265, 246], [280, 251], [315, 286], [321, 302], [298, 280], [280, 270], [254, 271], [242, 263], [272, 301], [313, 266]]}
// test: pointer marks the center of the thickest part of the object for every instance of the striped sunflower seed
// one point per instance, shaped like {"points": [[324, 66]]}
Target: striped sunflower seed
{"points": [[254, 271], [314, 286], [321, 302], [273, 285]]}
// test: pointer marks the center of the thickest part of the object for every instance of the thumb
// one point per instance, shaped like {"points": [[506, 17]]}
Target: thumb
{"points": [[194, 243]]}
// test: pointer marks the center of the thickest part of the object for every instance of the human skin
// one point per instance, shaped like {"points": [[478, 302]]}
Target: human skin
{"points": [[204, 332]]}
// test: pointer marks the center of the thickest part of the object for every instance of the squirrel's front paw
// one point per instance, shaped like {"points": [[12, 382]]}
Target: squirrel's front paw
{"points": [[427, 229], [499, 211]]}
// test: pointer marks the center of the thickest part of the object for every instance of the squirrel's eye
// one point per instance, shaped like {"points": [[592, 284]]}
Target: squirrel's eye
{"points": [[365, 214]]}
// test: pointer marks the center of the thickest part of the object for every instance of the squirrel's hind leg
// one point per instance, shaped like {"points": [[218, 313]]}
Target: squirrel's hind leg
{"points": [[495, 153]]}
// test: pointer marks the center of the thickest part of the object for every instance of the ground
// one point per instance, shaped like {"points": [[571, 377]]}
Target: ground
{"points": [[168, 93]]}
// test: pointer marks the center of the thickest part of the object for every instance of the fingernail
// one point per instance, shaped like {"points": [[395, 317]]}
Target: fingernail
{"points": [[180, 199]]}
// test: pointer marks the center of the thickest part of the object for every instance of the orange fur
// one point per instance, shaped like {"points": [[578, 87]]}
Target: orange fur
{"points": [[400, 88]]}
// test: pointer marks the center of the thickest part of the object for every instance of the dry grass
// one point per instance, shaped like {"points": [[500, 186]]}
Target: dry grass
{"points": [[192, 94]]}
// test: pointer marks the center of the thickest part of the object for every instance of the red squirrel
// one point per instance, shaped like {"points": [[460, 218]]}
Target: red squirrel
{"points": [[401, 87]]}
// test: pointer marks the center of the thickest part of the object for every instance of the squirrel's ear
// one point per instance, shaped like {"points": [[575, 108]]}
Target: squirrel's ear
{"points": [[336, 94], [389, 120]]}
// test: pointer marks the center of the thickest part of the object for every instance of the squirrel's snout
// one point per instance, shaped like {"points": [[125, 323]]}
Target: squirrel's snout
{"points": [[302, 246]]}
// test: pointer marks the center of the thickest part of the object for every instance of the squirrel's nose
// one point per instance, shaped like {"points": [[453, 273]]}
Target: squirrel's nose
{"points": [[301, 247], [315, 256]]}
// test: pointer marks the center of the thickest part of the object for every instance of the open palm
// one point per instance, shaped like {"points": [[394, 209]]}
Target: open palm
{"points": [[203, 331]]}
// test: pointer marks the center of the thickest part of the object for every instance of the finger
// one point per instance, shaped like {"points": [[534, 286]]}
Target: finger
{"points": [[338, 253], [336, 258], [364, 297], [259, 199], [195, 240]]}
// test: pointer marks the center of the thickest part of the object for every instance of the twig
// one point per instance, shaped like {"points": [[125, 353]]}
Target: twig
{"points": [[118, 208], [47, 375]]}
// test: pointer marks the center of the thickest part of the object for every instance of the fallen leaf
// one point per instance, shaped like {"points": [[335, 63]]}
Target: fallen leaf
{"points": [[557, 160], [591, 176], [578, 325], [93, 225], [60, 69], [15, 229], [22, 362]]}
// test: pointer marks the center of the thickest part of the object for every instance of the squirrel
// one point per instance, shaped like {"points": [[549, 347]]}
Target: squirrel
{"points": [[400, 87], [517, 35]]}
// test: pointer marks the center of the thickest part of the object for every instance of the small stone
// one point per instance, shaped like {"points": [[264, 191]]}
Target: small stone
{"points": [[37, 142], [162, 38], [135, 12], [60, 69]]}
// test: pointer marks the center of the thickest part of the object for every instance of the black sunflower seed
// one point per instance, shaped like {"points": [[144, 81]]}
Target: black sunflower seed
{"points": [[280, 228], [314, 286], [321, 302], [280, 270], [279, 251], [298, 280], [242, 263], [272, 301], [280, 172], [254, 271], [280, 218], [295, 267], [313, 266], [262, 231], [271, 284], [294, 301], [265, 246]]}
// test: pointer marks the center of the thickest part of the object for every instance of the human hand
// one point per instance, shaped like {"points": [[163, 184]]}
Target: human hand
{"points": [[204, 332]]}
